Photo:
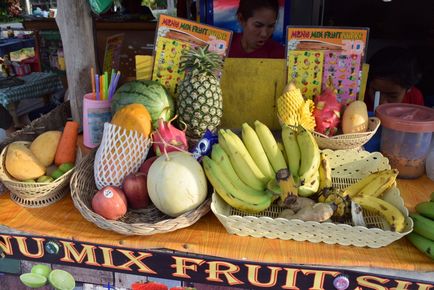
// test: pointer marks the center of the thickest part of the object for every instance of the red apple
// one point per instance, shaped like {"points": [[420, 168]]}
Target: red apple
{"points": [[144, 168], [136, 190], [110, 202]]}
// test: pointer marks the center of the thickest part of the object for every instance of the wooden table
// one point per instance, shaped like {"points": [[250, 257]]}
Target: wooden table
{"points": [[208, 237]]}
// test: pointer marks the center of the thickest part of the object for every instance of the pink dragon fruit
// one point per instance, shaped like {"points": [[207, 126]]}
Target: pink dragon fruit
{"points": [[327, 112], [168, 138]]}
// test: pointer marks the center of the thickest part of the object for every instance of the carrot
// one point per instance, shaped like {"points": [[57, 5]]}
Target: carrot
{"points": [[67, 147]]}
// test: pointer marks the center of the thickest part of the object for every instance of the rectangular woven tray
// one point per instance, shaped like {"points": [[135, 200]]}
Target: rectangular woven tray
{"points": [[348, 166]]}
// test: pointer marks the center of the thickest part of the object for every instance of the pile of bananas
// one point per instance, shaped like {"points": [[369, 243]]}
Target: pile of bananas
{"points": [[293, 110], [422, 236]]}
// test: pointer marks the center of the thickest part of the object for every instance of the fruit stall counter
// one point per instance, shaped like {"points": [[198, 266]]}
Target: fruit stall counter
{"points": [[208, 238]]}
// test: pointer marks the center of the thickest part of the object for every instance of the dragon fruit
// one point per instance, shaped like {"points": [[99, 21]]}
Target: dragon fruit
{"points": [[327, 112], [168, 138]]}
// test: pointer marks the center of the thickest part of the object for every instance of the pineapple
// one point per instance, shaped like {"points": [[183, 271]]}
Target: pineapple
{"points": [[199, 96]]}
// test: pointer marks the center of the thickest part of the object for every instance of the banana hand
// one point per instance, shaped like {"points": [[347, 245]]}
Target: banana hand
{"points": [[423, 244], [423, 226], [382, 182], [393, 216], [242, 162], [309, 152], [230, 194], [355, 188], [251, 140], [270, 146]]}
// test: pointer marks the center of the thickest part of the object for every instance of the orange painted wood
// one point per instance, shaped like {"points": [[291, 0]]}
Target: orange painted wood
{"points": [[209, 237]]}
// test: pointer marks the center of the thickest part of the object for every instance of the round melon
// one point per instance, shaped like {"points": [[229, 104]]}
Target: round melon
{"points": [[151, 94]]}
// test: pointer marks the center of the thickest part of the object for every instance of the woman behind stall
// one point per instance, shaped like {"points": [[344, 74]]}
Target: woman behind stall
{"points": [[258, 19], [394, 72]]}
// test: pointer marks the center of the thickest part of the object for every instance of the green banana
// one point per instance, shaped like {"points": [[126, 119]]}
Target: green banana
{"points": [[289, 138], [325, 173], [432, 196], [310, 185], [222, 159], [232, 195], [270, 146], [426, 209], [251, 140], [309, 152], [423, 244], [243, 163], [423, 226], [393, 215]]}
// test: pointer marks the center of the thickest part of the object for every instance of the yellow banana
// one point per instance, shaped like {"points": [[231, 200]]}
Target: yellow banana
{"points": [[288, 190], [355, 188], [228, 191], [309, 152], [246, 192], [309, 186], [325, 173], [243, 163], [289, 138], [393, 216], [251, 140], [270, 146], [382, 182]]}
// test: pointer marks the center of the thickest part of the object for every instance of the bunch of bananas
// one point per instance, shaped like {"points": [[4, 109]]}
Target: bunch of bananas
{"points": [[422, 236], [240, 169], [293, 110], [304, 160], [367, 193]]}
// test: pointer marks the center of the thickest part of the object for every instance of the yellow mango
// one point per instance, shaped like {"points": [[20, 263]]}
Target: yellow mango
{"points": [[45, 145], [21, 163]]}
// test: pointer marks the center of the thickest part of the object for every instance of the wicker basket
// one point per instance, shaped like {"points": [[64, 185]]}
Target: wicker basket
{"points": [[348, 141], [146, 221], [33, 194], [37, 194], [348, 167]]}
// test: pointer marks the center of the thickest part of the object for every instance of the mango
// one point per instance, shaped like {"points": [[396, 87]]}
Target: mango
{"points": [[45, 145], [21, 164]]}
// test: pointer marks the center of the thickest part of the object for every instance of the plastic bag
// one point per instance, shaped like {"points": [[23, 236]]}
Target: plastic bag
{"points": [[100, 6]]}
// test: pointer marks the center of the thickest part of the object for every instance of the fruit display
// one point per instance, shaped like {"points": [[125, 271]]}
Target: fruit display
{"points": [[422, 236], [199, 96]]}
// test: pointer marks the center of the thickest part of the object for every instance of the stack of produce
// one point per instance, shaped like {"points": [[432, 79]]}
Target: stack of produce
{"points": [[293, 110], [422, 236], [48, 157]]}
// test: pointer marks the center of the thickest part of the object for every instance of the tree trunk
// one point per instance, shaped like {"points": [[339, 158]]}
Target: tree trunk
{"points": [[74, 20]]}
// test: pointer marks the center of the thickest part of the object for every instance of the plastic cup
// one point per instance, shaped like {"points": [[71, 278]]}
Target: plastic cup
{"points": [[95, 114]]}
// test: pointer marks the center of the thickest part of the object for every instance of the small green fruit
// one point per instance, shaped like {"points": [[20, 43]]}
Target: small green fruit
{"points": [[65, 167], [33, 280], [29, 181], [45, 178], [41, 269], [57, 173]]}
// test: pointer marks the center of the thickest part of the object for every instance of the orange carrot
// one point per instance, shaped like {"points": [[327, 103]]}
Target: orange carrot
{"points": [[67, 147]]}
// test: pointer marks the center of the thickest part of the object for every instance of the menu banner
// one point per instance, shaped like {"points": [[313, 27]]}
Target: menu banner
{"points": [[193, 268], [177, 35]]}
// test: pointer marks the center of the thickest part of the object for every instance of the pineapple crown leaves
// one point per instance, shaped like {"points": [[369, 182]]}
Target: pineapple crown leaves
{"points": [[201, 60]]}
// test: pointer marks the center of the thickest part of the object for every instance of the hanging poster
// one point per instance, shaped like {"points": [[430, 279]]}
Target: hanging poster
{"points": [[175, 36], [344, 51]]}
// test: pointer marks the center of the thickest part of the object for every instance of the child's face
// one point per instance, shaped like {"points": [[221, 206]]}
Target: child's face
{"points": [[390, 91], [258, 28]]}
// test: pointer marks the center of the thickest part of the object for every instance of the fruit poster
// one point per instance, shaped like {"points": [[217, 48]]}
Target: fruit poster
{"points": [[344, 52], [343, 71], [305, 70], [176, 35]]}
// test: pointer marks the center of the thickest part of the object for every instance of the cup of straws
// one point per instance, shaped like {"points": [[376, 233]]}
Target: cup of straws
{"points": [[97, 106]]}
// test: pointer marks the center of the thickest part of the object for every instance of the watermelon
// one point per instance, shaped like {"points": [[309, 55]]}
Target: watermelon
{"points": [[151, 94]]}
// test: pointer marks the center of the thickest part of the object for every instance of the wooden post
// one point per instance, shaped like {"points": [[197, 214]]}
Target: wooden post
{"points": [[74, 20]]}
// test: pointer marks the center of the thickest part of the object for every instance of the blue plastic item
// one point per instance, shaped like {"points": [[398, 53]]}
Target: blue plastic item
{"points": [[373, 145]]}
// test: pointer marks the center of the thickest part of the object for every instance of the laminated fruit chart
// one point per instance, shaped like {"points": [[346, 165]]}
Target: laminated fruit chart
{"points": [[343, 70], [166, 67], [305, 68]]}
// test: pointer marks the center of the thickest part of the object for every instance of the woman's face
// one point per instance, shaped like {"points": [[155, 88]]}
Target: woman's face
{"points": [[390, 92], [258, 28]]}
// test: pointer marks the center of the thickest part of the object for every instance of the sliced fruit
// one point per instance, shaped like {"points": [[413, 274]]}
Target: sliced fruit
{"points": [[41, 269], [33, 280], [61, 280]]}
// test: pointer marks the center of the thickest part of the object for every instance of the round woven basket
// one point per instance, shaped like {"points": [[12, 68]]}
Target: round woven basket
{"points": [[33, 194], [348, 141], [146, 221]]}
